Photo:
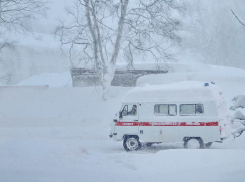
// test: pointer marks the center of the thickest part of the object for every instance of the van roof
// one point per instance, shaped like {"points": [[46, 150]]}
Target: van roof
{"points": [[182, 91]]}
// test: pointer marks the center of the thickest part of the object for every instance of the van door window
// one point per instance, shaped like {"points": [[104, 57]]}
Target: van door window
{"points": [[165, 109], [191, 109], [129, 110]]}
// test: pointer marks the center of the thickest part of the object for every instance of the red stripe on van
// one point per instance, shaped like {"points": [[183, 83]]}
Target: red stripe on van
{"points": [[165, 124], [192, 124], [212, 123], [119, 123], [145, 123], [127, 123]]}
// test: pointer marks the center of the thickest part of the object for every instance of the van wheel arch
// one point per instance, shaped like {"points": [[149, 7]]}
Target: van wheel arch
{"points": [[124, 136], [199, 139]]}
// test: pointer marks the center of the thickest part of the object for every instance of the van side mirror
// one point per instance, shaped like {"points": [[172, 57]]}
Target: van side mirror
{"points": [[120, 115]]}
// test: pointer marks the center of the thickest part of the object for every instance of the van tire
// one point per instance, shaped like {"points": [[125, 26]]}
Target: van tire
{"points": [[131, 143], [207, 145], [193, 143]]}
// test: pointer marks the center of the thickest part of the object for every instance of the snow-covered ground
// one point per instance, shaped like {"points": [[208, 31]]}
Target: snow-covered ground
{"points": [[60, 133]]}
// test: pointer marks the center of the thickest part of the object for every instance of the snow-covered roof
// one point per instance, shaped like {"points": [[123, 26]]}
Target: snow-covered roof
{"points": [[182, 91]]}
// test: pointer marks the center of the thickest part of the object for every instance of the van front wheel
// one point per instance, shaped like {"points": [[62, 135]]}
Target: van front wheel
{"points": [[193, 143], [131, 143]]}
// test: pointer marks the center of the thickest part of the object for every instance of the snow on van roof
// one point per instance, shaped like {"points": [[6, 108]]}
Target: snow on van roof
{"points": [[182, 91]]}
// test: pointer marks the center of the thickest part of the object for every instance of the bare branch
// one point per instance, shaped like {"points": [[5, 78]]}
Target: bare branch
{"points": [[243, 24]]}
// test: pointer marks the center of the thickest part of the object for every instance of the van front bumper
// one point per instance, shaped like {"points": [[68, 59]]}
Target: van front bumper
{"points": [[112, 134]]}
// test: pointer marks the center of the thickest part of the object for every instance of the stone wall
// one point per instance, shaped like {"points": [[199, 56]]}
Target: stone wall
{"points": [[83, 77]]}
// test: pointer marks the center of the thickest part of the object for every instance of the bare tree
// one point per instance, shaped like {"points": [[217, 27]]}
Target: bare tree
{"points": [[101, 30], [15, 17]]}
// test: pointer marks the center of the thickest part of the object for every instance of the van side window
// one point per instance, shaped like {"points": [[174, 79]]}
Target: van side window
{"points": [[165, 109], [129, 110], [191, 109]]}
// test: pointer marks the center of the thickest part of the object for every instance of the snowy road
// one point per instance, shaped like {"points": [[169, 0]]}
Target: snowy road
{"points": [[61, 154]]}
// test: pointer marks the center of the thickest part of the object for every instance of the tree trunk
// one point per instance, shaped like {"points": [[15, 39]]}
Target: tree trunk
{"points": [[111, 67]]}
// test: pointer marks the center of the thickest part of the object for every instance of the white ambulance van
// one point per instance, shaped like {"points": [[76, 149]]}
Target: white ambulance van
{"points": [[191, 112]]}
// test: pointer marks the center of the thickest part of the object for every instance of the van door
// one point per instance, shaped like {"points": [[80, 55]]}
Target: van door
{"points": [[165, 125], [145, 122], [129, 124]]}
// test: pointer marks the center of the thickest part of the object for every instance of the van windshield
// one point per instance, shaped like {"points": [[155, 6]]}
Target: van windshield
{"points": [[129, 110]]}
